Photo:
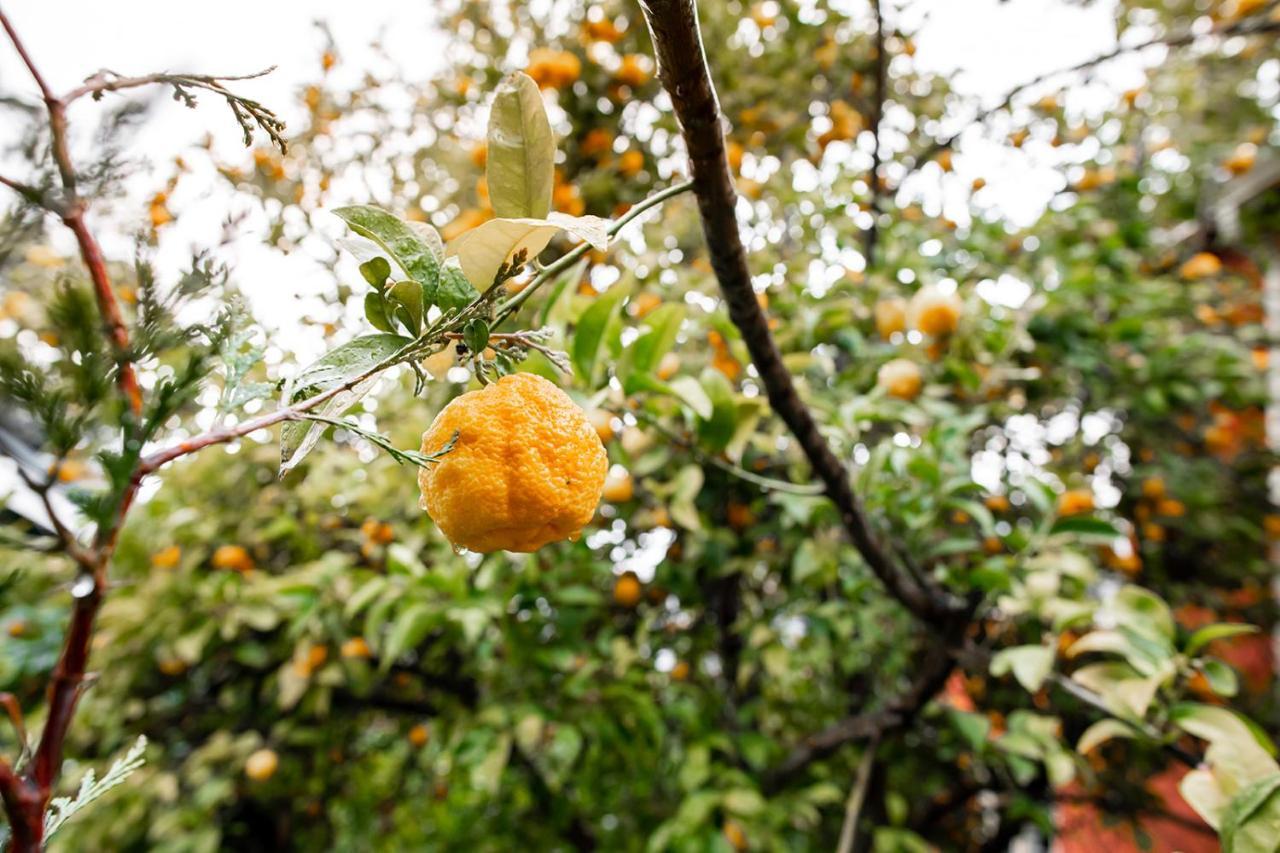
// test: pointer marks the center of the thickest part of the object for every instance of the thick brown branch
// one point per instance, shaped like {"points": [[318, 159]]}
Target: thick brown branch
{"points": [[682, 67], [877, 113]]}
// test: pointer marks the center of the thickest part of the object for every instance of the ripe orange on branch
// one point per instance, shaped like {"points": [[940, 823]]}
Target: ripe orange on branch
{"points": [[527, 467]]}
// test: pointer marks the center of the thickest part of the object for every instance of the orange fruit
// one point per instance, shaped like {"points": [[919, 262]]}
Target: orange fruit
{"points": [[527, 468], [166, 558], [602, 423], [233, 557], [1242, 159], [378, 532], [618, 486], [262, 765], [418, 735], [356, 647], [934, 312], [891, 316], [900, 378], [630, 163], [553, 69], [627, 590], [735, 835], [634, 71], [1200, 265], [1092, 179], [1075, 502]]}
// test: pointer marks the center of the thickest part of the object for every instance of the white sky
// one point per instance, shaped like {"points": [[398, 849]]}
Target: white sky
{"points": [[990, 47]]}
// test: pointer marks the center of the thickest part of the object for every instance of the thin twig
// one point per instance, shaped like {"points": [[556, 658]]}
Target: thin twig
{"points": [[109, 81], [70, 544], [247, 111], [857, 796], [27, 191]]}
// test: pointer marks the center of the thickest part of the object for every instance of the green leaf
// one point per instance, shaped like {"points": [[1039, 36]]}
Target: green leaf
{"points": [[1251, 821], [717, 430], [1218, 631], [1100, 732], [589, 334], [1144, 612], [375, 311], [567, 278], [687, 484], [408, 295], [1030, 665], [376, 271], [692, 394], [648, 349], [1086, 527], [1222, 678], [476, 335], [520, 166], [487, 775], [336, 367], [743, 801], [455, 291], [974, 728], [398, 239], [409, 629]]}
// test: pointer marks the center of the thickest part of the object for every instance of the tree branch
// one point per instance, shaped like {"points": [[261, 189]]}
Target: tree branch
{"points": [[896, 713], [682, 68], [857, 795], [873, 233], [25, 813], [72, 210], [27, 191]]}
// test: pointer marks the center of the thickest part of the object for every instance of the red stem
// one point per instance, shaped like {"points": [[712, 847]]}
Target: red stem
{"points": [[27, 797]]}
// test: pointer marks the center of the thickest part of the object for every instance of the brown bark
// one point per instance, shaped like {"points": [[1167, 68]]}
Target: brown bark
{"points": [[682, 68]]}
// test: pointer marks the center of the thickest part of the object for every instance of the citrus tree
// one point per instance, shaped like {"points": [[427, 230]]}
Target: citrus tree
{"points": [[915, 526]]}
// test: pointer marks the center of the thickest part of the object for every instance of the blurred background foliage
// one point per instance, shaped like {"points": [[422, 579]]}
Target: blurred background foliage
{"points": [[1099, 406]]}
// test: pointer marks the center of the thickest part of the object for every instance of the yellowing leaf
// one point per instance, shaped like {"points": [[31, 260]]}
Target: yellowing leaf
{"points": [[1030, 665], [483, 250], [1101, 732], [520, 165]]}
